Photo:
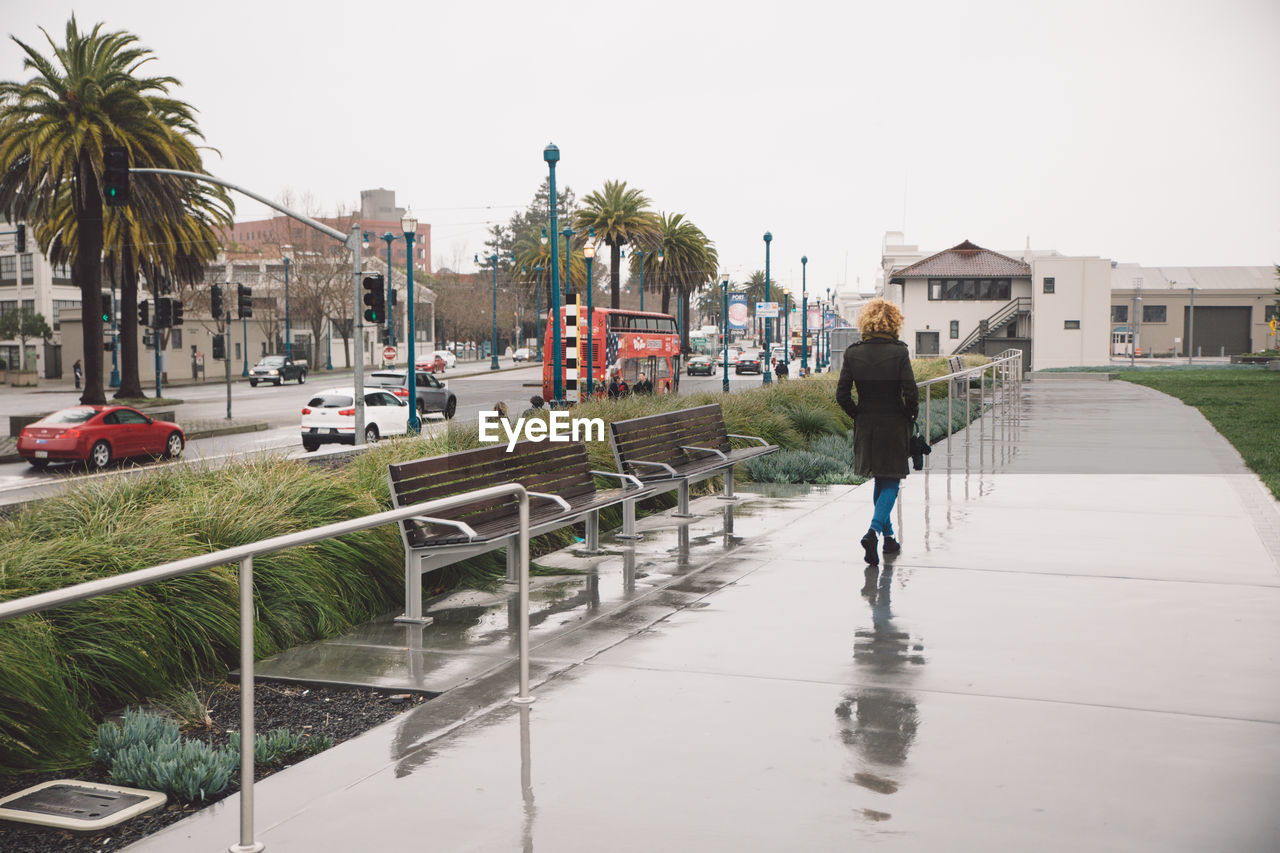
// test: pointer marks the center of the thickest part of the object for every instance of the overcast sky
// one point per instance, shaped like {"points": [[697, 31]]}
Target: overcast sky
{"points": [[1140, 131]]}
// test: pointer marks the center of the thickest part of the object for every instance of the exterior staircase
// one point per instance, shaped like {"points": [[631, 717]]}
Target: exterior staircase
{"points": [[1009, 313]]}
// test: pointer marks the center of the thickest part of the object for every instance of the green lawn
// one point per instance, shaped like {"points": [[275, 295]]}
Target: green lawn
{"points": [[1243, 405]]}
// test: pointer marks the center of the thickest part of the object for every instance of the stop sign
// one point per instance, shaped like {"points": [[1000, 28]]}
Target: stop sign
{"points": [[388, 353]]}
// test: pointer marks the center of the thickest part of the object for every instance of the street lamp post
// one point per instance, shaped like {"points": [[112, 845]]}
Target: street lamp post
{"points": [[537, 310], [288, 339], [244, 339], [768, 338], [493, 349], [724, 330], [786, 328], [551, 154], [804, 314], [826, 332], [589, 253], [391, 329], [409, 225]]}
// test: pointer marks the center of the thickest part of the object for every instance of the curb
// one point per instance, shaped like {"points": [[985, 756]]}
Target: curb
{"points": [[9, 451]]}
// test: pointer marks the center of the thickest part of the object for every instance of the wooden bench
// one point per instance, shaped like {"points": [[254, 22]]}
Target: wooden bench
{"points": [[562, 491], [675, 449]]}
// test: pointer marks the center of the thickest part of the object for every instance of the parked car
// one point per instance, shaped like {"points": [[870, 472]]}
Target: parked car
{"points": [[522, 354], [749, 363], [97, 434], [703, 365], [433, 395], [434, 364], [450, 360], [276, 369], [330, 417]]}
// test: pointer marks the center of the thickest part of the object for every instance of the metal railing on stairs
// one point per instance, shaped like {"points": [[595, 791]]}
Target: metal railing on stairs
{"points": [[244, 554], [994, 323]]}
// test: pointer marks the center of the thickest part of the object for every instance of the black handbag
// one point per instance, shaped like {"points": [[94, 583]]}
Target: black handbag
{"points": [[920, 448]]}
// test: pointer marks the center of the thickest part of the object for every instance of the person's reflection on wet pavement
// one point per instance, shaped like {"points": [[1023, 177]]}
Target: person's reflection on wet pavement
{"points": [[880, 723]]}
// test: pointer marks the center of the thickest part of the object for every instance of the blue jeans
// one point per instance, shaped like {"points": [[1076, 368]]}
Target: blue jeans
{"points": [[884, 495]]}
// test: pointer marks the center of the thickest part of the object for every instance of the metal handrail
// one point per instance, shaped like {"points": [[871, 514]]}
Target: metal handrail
{"points": [[1006, 367], [244, 554]]}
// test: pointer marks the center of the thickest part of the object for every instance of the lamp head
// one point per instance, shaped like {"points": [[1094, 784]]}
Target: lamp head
{"points": [[551, 153], [543, 238], [768, 237], [660, 256], [409, 222], [804, 259]]}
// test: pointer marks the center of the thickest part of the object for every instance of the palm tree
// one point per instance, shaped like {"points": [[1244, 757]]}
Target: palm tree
{"points": [[53, 129], [620, 216], [689, 261]]}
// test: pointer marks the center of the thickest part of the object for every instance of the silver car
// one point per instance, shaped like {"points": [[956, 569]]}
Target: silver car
{"points": [[433, 395]]}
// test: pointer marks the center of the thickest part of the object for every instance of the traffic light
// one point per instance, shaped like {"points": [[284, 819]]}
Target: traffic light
{"points": [[164, 312], [374, 299], [115, 176], [219, 347], [175, 312], [215, 301], [106, 307], [144, 313], [20, 239], [244, 301]]}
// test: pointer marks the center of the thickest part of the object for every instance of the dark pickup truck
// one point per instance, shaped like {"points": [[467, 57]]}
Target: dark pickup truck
{"points": [[276, 369]]}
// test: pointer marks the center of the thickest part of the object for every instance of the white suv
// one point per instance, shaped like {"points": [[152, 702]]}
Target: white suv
{"points": [[330, 417]]}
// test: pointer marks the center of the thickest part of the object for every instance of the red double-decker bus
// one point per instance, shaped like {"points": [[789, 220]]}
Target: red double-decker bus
{"points": [[633, 342]]}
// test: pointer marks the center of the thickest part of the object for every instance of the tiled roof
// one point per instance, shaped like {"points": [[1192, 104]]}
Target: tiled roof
{"points": [[966, 260]]}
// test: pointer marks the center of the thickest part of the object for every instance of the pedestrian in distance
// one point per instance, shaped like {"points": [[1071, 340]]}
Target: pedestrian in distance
{"points": [[79, 373], [643, 386], [536, 404], [879, 366], [614, 390], [782, 370]]}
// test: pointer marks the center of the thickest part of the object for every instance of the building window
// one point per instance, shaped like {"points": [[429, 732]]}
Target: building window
{"points": [[175, 339], [1048, 284], [955, 329], [926, 343], [8, 305], [9, 269], [1070, 324], [1119, 313], [237, 357], [969, 289], [1153, 314], [58, 306], [1272, 312], [28, 276]]}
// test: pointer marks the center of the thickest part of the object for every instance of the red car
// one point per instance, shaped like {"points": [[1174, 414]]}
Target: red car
{"points": [[436, 365], [97, 434]]}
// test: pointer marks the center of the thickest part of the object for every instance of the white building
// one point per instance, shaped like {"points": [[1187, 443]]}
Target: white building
{"points": [[1070, 311], [28, 280]]}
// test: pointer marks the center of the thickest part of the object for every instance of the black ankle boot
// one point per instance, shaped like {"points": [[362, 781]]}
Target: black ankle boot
{"points": [[891, 545], [869, 546]]}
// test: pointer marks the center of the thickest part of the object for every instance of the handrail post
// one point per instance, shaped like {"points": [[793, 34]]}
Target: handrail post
{"points": [[523, 698], [928, 410], [247, 844]]}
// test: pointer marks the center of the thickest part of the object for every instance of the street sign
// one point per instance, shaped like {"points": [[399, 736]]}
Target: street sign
{"points": [[1273, 324], [389, 353], [766, 309]]}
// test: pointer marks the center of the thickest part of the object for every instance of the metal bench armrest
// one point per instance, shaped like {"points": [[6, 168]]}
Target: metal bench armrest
{"points": [[625, 478], [672, 471], [463, 527], [564, 504], [750, 438], [714, 450]]}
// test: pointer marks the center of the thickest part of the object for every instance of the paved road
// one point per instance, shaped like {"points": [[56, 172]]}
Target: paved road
{"points": [[280, 408]]}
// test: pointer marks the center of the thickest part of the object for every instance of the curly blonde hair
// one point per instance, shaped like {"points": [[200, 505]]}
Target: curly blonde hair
{"points": [[880, 317]]}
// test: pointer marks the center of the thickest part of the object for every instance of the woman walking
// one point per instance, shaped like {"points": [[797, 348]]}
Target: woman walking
{"points": [[887, 405]]}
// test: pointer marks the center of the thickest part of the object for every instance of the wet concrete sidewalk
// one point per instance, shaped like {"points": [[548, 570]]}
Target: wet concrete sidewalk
{"points": [[1076, 649]]}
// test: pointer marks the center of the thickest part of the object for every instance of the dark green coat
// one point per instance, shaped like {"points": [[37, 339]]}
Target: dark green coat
{"points": [[886, 406]]}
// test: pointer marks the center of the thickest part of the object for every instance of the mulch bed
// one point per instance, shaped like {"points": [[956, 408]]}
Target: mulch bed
{"points": [[336, 712]]}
